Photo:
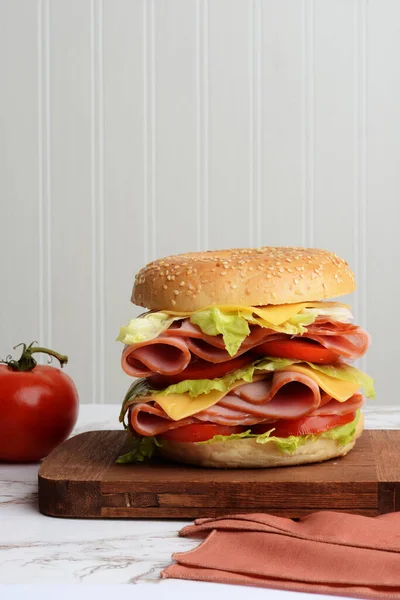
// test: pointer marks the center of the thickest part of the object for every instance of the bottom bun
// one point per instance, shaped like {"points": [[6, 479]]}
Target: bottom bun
{"points": [[248, 454]]}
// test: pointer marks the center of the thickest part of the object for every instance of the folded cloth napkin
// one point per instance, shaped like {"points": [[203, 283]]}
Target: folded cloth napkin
{"points": [[325, 552]]}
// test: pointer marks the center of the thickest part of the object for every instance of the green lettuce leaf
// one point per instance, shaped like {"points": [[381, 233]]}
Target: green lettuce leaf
{"points": [[348, 373], [142, 449], [195, 387], [139, 387], [343, 434], [233, 327], [145, 328]]}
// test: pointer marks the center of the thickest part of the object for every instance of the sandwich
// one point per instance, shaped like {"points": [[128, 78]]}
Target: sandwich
{"points": [[242, 361]]}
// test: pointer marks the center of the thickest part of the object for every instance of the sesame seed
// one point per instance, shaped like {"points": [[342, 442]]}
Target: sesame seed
{"points": [[176, 292], [233, 286], [165, 287], [189, 293], [260, 268], [269, 275], [190, 286], [324, 285], [271, 268], [173, 302], [281, 270], [296, 281], [169, 277], [182, 283], [172, 277], [223, 273], [273, 294]]}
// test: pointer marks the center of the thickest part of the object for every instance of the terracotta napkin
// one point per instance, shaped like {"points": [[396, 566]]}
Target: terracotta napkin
{"points": [[325, 552]]}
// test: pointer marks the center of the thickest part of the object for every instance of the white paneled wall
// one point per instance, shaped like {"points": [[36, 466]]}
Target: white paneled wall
{"points": [[131, 129]]}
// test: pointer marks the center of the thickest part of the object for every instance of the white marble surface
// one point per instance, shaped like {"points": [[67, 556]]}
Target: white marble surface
{"points": [[38, 549]]}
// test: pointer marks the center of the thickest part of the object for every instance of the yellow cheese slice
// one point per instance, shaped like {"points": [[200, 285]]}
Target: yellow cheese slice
{"points": [[180, 406], [276, 315], [337, 388]]}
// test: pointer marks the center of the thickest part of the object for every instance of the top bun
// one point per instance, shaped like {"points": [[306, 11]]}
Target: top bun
{"points": [[242, 276]]}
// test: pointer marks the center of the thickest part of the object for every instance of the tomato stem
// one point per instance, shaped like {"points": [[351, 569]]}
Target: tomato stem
{"points": [[26, 362]]}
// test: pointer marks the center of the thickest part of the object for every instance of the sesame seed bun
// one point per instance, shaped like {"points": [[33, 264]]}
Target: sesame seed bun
{"points": [[244, 276], [248, 454]]}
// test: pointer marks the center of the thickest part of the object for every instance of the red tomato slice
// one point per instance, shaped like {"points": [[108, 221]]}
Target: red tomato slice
{"points": [[199, 432], [305, 425], [201, 369], [299, 348]]}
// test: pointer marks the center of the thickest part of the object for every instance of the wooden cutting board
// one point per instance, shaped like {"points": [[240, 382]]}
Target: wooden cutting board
{"points": [[80, 479]]}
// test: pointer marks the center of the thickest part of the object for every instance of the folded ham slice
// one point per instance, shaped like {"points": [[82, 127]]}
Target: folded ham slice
{"points": [[282, 395], [180, 346], [333, 407]]}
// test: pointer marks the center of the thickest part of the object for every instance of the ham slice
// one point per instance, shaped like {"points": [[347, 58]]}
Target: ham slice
{"points": [[167, 355], [287, 395], [333, 407], [149, 420], [172, 351], [346, 339]]}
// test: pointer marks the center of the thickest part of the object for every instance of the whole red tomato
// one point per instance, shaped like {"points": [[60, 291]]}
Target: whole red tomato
{"points": [[38, 407]]}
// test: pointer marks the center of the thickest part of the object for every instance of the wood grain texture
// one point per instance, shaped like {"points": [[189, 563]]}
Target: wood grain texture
{"points": [[80, 479]]}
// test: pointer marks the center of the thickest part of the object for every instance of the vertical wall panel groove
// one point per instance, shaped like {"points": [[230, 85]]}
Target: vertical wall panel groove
{"points": [[153, 101], [202, 125], [363, 169], [149, 102], [252, 126], [205, 123], [97, 203], [44, 173], [95, 344], [206, 120], [360, 159], [199, 195], [308, 122], [101, 292], [146, 223], [40, 169], [255, 120]]}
